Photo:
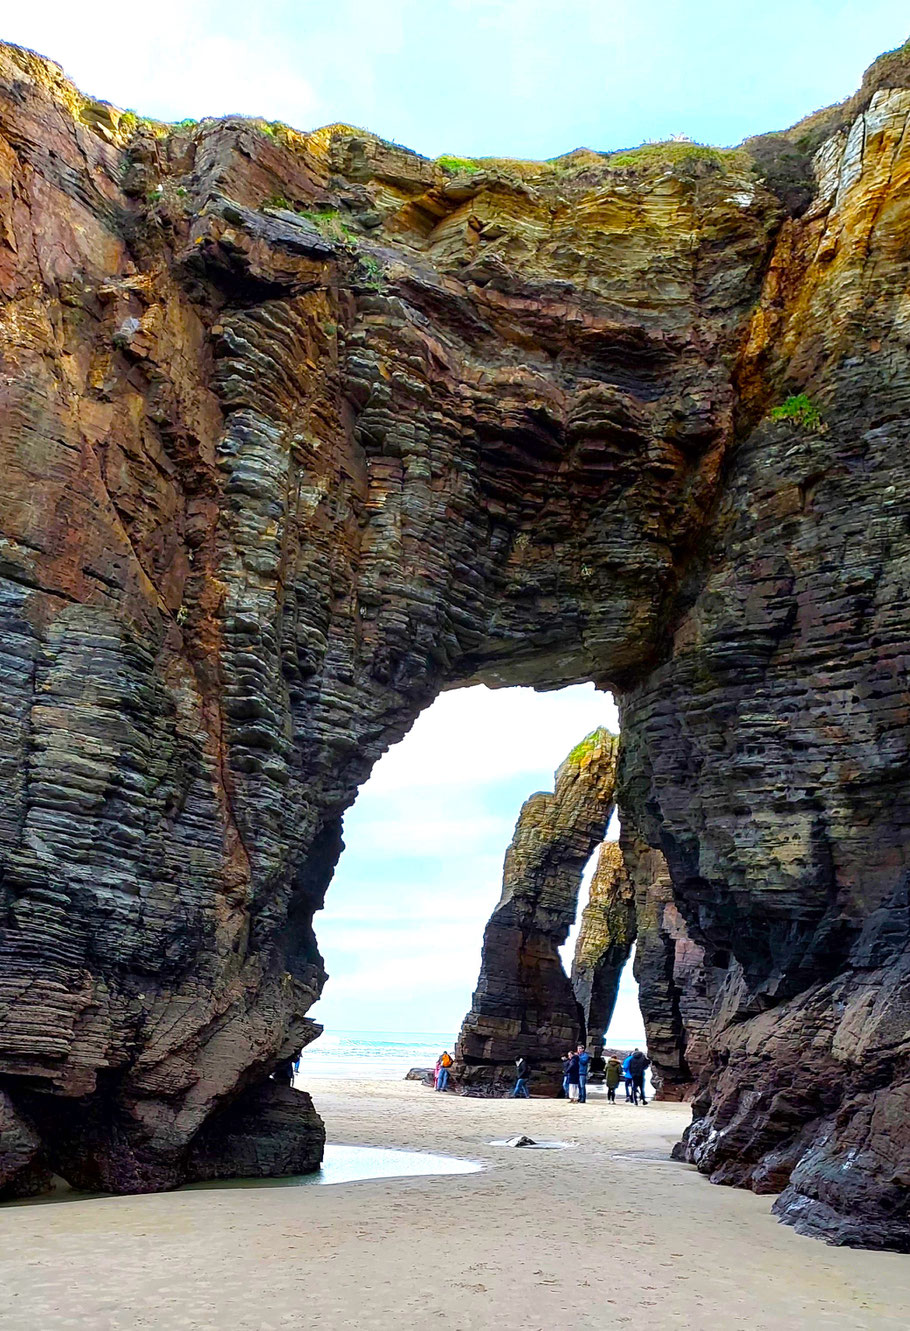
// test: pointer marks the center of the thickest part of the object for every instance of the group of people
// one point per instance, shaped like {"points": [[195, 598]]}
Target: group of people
{"points": [[631, 1071], [441, 1071], [576, 1067]]}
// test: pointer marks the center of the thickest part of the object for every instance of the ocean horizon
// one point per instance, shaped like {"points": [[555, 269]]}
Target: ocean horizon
{"points": [[383, 1055]]}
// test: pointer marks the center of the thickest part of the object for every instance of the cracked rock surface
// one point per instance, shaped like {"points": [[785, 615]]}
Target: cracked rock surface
{"points": [[297, 430]]}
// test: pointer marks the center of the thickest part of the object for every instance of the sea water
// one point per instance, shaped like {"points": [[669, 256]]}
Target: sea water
{"points": [[372, 1055], [355, 1164], [382, 1055]]}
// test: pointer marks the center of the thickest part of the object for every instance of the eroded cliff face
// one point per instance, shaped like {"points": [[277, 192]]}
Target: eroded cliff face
{"points": [[631, 904], [677, 987], [524, 1004], [604, 944], [769, 753], [299, 429]]}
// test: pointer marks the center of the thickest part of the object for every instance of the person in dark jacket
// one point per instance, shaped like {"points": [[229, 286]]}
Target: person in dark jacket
{"points": [[522, 1072], [638, 1066], [572, 1077], [612, 1078], [565, 1076]]}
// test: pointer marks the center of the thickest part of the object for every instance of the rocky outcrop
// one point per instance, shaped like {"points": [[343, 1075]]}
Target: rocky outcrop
{"points": [[604, 944], [271, 1131], [524, 1004], [769, 752], [631, 903], [23, 1168], [298, 430], [677, 989]]}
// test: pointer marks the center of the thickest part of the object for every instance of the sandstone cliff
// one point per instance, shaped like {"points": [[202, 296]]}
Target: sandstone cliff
{"points": [[298, 430], [524, 1003]]}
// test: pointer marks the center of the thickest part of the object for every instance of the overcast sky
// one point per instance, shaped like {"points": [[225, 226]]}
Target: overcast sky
{"points": [[525, 78]]}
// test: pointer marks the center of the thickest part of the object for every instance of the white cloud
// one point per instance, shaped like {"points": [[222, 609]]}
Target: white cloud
{"points": [[198, 60], [408, 836], [479, 736]]}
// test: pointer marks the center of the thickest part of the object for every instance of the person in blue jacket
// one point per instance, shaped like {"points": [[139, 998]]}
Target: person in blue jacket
{"points": [[584, 1063], [627, 1076]]}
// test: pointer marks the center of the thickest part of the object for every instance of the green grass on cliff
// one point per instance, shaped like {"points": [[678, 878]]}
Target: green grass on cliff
{"points": [[328, 220], [588, 745], [678, 154], [799, 410], [461, 166]]}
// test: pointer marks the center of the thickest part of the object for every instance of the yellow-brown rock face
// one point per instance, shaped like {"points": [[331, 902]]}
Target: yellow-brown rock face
{"points": [[298, 430]]}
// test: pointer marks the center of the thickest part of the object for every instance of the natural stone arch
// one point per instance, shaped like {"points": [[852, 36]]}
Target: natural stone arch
{"points": [[270, 488]]}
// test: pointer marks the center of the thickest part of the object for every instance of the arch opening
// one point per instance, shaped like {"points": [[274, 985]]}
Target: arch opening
{"points": [[422, 866]]}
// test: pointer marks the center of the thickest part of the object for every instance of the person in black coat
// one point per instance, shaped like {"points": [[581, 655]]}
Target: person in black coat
{"points": [[573, 1076], [638, 1066], [522, 1072]]}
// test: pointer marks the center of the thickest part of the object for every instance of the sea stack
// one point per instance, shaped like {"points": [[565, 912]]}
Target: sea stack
{"points": [[524, 1004]]}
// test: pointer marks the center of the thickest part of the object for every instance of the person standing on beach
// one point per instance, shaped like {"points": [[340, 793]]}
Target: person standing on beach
{"points": [[522, 1072], [443, 1063], [627, 1076], [565, 1076], [572, 1077], [638, 1066], [612, 1077], [584, 1064]]}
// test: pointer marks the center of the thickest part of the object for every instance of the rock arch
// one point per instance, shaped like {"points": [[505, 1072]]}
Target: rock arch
{"points": [[300, 429]]}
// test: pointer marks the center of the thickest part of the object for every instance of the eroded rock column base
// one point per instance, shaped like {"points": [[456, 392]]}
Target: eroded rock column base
{"points": [[272, 1131]]}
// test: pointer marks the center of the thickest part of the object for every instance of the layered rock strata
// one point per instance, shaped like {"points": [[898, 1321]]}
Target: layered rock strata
{"points": [[524, 1003], [298, 430], [631, 903], [677, 988], [604, 944]]}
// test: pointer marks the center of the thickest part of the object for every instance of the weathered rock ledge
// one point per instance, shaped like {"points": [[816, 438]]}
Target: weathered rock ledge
{"points": [[298, 430]]}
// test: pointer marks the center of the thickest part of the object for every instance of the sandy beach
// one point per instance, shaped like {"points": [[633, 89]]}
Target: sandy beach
{"points": [[609, 1232]]}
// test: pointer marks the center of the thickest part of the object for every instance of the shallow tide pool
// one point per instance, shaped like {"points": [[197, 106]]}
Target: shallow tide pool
{"points": [[353, 1164], [340, 1164]]}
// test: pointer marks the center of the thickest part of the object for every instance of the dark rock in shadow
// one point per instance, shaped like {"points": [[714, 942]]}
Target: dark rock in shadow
{"points": [[271, 1131]]}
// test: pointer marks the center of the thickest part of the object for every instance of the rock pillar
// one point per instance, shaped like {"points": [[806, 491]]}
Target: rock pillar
{"points": [[524, 1003], [608, 927]]}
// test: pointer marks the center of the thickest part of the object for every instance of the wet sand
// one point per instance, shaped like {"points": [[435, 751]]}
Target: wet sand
{"points": [[607, 1233]]}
